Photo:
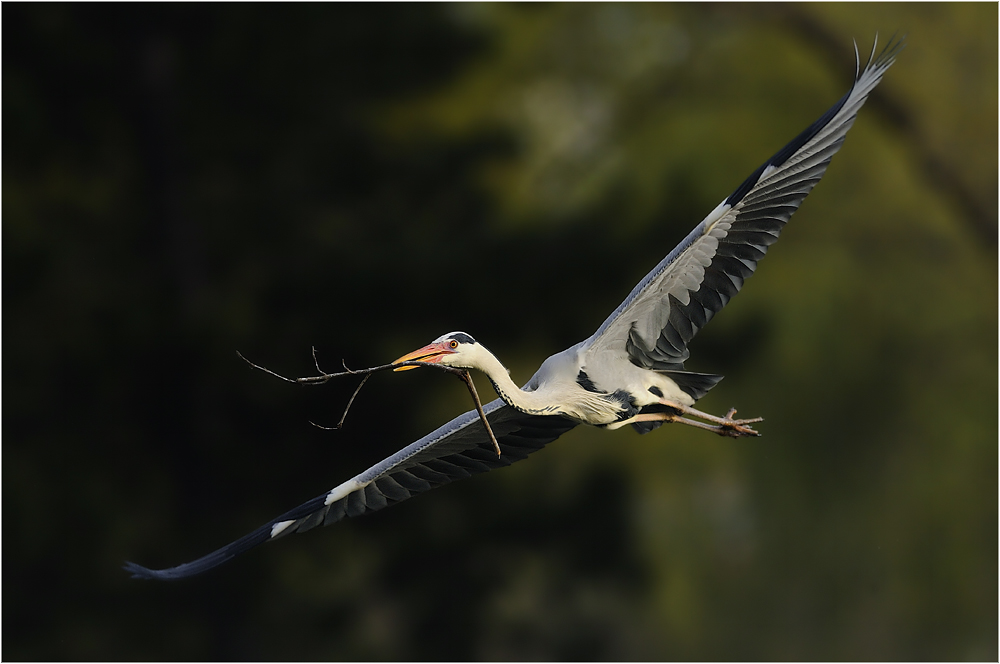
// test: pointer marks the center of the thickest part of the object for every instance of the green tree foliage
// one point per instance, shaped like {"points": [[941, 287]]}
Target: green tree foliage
{"points": [[181, 181]]}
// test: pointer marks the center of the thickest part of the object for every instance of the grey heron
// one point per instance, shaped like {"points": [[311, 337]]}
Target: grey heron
{"points": [[630, 371]]}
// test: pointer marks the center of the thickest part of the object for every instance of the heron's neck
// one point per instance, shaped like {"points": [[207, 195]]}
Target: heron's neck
{"points": [[527, 402]]}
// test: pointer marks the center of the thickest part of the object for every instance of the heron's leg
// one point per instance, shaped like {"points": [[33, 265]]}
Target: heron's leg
{"points": [[728, 419], [725, 426], [722, 430]]}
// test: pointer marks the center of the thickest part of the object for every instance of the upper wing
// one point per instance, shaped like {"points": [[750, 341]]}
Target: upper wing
{"points": [[458, 449], [667, 308]]}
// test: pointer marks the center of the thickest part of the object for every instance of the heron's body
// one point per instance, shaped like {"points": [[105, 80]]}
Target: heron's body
{"points": [[582, 384], [630, 371]]}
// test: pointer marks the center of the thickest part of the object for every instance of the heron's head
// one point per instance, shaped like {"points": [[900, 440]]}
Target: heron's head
{"points": [[455, 349]]}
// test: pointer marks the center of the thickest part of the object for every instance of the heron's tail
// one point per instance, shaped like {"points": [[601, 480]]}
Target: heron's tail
{"points": [[693, 383]]}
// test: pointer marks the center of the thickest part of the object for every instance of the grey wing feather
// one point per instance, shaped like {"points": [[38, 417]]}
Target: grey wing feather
{"points": [[458, 449], [661, 315]]}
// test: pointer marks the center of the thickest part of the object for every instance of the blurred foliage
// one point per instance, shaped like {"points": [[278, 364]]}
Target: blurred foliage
{"points": [[181, 181]]}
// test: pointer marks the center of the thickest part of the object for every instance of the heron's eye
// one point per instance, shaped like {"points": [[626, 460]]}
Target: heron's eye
{"points": [[453, 344]]}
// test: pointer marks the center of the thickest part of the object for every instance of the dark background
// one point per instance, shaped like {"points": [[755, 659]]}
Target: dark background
{"points": [[184, 181]]}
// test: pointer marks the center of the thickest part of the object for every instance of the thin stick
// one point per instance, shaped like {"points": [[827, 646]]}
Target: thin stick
{"points": [[479, 407], [265, 370], [364, 380], [316, 360]]}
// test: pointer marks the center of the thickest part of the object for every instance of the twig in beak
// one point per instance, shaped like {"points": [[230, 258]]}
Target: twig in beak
{"points": [[324, 377]]}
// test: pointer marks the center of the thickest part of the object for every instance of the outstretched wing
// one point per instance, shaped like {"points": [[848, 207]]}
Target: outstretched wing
{"points": [[458, 449], [666, 309]]}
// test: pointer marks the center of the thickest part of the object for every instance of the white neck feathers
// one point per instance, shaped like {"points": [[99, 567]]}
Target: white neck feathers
{"points": [[527, 402]]}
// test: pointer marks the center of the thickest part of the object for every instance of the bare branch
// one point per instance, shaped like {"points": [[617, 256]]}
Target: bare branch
{"points": [[325, 377]]}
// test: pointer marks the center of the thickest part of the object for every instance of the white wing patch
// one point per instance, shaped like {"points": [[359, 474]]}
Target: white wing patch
{"points": [[279, 527], [350, 486]]}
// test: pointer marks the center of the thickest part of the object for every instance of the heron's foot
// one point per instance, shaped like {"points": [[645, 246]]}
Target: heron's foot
{"points": [[727, 426], [724, 426]]}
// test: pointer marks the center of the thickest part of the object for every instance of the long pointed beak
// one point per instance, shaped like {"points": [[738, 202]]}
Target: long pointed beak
{"points": [[429, 353]]}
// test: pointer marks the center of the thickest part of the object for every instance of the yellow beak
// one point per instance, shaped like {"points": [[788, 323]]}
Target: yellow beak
{"points": [[429, 353]]}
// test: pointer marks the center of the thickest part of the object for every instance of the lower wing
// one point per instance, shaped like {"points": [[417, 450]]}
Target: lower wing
{"points": [[458, 449]]}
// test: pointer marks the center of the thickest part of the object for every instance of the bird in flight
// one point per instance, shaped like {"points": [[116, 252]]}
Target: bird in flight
{"points": [[630, 371]]}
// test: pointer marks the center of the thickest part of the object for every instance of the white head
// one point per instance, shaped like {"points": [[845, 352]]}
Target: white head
{"points": [[455, 349]]}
